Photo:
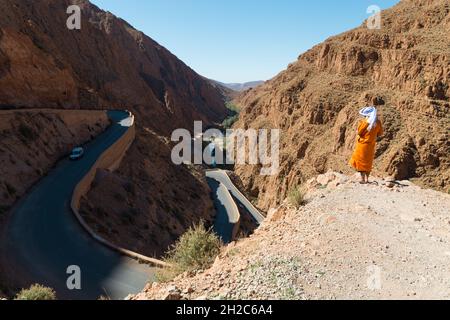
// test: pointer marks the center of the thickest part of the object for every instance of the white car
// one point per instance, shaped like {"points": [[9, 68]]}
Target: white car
{"points": [[77, 153]]}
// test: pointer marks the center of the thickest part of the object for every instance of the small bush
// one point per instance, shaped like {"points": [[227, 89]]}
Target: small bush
{"points": [[296, 197], [229, 122], [164, 275], [196, 250], [26, 132], [36, 292], [233, 115], [11, 190], [232, 107]]}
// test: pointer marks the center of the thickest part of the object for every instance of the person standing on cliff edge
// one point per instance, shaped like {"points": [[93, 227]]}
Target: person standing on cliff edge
{"points": [[369, 129]]}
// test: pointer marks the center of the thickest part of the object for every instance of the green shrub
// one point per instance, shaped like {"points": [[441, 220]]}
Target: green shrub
{"points": [[232, 107], [36, 292], [233, 115], [196, 250], [296, 197], [230, 121]]}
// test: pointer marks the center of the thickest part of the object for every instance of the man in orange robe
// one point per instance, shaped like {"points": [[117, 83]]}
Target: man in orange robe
{"points": [[369, 130]]}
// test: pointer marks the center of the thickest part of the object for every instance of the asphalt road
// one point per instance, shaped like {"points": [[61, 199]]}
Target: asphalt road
{"points": [[227, 198], [222, 177], [227, 213], [43, 237]]}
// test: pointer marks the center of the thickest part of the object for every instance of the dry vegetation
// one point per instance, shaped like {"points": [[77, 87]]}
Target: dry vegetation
{"points": [[194, 251], [36, 292]]}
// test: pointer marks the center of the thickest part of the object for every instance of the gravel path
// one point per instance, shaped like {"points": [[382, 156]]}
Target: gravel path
{"points": [[380, 241]]}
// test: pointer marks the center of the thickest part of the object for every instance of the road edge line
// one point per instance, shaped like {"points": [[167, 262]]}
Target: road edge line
{"points": [[239, 193], [84, 185]]}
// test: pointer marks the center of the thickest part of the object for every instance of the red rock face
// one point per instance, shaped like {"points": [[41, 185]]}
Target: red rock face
{"points": [[109, 64], [404, 68], [105, 64]]}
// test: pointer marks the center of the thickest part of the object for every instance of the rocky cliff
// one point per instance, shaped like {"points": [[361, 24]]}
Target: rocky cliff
{"points": [[109, 64], [105, 64], [404, 68]]}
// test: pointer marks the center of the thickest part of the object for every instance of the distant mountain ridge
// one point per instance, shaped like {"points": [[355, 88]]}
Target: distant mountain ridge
{"points": [[243, 86], [240, 87]]}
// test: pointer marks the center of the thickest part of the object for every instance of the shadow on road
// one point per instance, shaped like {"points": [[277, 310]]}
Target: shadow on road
{"points": [[43, 238], [222, 225]]}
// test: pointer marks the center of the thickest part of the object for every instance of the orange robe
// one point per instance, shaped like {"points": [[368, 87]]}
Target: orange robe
{"points": [[362, 159]]}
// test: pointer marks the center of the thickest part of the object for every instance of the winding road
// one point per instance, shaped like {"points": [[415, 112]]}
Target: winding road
{"points": [[227, 198], [227, 212], [222, 177], [43, 237]]}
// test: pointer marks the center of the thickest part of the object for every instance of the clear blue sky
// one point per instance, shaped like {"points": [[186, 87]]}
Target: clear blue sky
{"points": [[240, 40]]}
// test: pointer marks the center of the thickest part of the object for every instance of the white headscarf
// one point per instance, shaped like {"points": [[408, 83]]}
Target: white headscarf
{"points": [[371, 114]]}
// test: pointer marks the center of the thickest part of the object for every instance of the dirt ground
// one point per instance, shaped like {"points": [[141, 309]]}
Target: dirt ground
{"points": [[386, 240]]}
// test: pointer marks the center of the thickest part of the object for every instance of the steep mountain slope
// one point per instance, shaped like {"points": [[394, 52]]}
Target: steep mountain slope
{"points": [[105, 64], [404, 68], [109, 64], [224, 90]]}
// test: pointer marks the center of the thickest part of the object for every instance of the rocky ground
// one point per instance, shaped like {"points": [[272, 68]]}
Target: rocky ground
{"points": [[386, 240]]}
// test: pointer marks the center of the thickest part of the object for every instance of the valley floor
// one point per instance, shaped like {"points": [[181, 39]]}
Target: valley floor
{"points": [[351, 241]]}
